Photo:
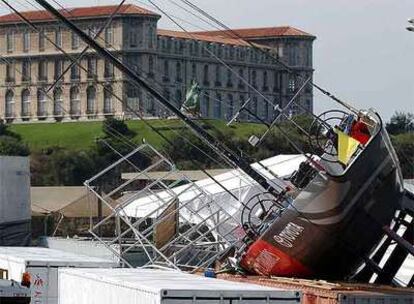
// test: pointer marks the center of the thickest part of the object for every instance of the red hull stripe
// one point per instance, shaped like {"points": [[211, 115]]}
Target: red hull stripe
{"points": [[265, 259]]}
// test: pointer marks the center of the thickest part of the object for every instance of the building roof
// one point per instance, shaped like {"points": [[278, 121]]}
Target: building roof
{"points": [[208, 38], [263, 32], [78, 13]]}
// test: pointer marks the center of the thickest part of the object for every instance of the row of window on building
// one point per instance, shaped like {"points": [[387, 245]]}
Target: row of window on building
{"points": [[105, 37], [57, 40], [25, 72], [42, 99]]}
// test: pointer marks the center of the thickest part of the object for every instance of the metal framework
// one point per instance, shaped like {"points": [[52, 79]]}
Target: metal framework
{"points": [[169, 228]]}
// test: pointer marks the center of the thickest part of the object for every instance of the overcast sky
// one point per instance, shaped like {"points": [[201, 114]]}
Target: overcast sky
{"points": [[362, 54]]}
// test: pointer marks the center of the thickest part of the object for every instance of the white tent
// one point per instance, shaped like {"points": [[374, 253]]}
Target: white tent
{"points": [[235, 181]]}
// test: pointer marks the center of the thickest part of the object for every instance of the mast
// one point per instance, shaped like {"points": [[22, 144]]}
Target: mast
{"points": [[222, 150]]}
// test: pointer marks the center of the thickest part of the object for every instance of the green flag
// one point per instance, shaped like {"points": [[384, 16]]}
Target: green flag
{"points": [[192, 100]]}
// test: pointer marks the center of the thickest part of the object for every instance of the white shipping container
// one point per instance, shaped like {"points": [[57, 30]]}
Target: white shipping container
{"points": [[43, 264], [153, 286], [14, 189]]}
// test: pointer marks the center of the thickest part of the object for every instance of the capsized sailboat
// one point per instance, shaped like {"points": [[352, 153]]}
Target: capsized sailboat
{"points": [[330, 225]]}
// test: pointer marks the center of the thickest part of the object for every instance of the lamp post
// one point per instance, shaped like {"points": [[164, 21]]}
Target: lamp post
{"points": [[411, 26]]}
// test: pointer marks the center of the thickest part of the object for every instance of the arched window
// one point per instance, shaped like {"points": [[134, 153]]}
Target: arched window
{"points": [[194, 72], [218, 75], [108, 100], [217, 107], [205, 76], [265, 114], [254, 107], [74, 101], [9, 104], [178, 98], [150, 66], [25, 103], [57, 102], [90, 100], [230, 107], [41, 103], [254, 79], [178, 71], [205, 106]]}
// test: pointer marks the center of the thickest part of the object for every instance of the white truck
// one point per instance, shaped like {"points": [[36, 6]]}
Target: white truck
{"points": [[42, 265], [11, 292]]}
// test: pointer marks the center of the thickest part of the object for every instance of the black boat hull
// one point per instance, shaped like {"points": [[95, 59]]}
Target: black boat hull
{"points": [[334, 223]]}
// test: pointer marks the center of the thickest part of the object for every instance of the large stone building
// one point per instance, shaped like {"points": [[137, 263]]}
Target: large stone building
{"points": [[32, 61]]}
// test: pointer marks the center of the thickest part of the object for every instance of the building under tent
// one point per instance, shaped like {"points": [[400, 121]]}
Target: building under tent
{"points": [[64, 211]]}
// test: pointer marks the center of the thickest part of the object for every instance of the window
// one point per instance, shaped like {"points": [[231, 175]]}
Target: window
{"points": [[151, 35], [265, 85], [292, 84], [26, 67], [74, 101], [42, 70], [230, 107], [229, 78], [10, 72], [9, 104], [218, 75], [10, 42], [205, 105], [206, 76], [151, 66], [217, 107], [178, 98], [194, 72], [74, 72], [26, 42], [41, 103], [42, 40], [278, 81], [58, 38], [75, 41], [92, 31], [92, 62], [166, 70], [107, 100], [241, 74], [90, 100], [109, 69], [57, 102], [58, 68], [254, 78], [25, 103], [254, 106], [265, 113], [109, 36], [178, 71], [133, 38]]}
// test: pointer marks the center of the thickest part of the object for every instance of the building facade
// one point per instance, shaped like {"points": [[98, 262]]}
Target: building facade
{"points": [[229, 71]]}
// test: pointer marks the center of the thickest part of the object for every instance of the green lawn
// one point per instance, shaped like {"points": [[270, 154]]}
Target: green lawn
{"points": [[81, 135]]}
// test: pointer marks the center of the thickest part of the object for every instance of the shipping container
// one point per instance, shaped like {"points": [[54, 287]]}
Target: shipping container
{"points": [[154, 286], [323, 292], [42, 264], [15, 211]]}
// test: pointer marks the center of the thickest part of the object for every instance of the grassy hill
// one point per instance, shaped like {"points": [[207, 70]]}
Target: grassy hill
{"points": [[82, 135]]}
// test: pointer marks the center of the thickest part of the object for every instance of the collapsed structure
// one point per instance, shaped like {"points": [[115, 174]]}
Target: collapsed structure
{"points": [[332, 213]]}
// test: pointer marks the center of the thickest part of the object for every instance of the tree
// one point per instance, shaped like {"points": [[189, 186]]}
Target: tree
{"points": [[11, 143], [400, 123], [12, 146]]}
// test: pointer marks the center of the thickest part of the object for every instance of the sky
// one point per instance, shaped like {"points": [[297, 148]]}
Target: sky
{"points": [[363, 53]]}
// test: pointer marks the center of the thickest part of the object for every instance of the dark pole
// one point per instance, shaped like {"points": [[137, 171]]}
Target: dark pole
{"points": [[218, 147]]}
